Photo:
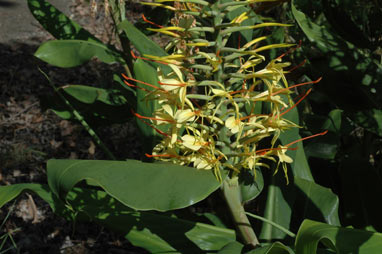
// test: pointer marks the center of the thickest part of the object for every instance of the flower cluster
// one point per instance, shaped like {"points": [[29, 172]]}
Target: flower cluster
{"points": [[214, 98]]}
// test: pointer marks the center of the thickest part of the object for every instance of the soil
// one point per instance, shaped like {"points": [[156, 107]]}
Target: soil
{"points": [[30, 136]]}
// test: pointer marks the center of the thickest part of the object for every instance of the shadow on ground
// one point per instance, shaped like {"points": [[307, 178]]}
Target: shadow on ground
{"points": [[29, 137]]}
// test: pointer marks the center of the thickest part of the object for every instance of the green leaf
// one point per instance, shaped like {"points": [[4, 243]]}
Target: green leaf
{"points": [[71, 53], [278, 208], [138, 185], [316, 202], [156, 232], [56, 23], [341, 240], [371, 120], [10, 192], [274, 248], [324, 39], [89, 95], [123, 86], [246, 34], [324, 148], [96, 105], [333, 123], [143, 44], [146, 107], [214, 219], [231, 248], [340, 20], [300, 166], [250, 186]]}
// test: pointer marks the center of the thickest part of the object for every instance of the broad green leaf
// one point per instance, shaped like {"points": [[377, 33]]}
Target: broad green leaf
{"points": [[231, 248], [88, 94], [341, 240], [300, 166], [250, 185], [324, 147], [333, 123], [57, 23], [97, 105], [128, 89], [143, 44], [146, 107], [215, 220], [71, 53], [138, 185], [316, 202], [156, 232], [324, 39], [278, 207], [274, 248], [280, 197], [340, 20], [10, 192]]}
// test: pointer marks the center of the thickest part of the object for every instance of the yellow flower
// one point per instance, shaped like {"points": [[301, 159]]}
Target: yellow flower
{"points": [[192, 142], [234, 124], [201, 163]]}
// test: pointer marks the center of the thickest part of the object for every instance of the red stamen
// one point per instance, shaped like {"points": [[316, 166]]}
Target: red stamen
{"points": [[298, 66], [196, 103], [165, 84], [264, 151], [160, 155], [133, 55], [244, 83], [150, 22], [312, 136], [297, 97], [239, 91], [217, 159], [297, 85], [290, 50], [144, 83], [298, 102], [147, 59], [153, 118], [156, 129], [250, 116], [131, 85]]}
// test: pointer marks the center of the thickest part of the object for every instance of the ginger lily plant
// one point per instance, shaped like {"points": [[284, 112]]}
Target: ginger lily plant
{"points": [[209, 97], [216, 109]]}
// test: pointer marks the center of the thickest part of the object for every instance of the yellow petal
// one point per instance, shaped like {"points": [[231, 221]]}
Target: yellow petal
{"points": [[233, 124], [191, 142], [184, 115]]}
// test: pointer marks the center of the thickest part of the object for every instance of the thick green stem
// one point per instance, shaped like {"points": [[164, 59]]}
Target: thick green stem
{"points": [[231, 191]]}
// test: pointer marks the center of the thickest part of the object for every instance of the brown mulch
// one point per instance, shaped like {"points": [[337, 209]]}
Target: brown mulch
{"points": [[30, 136]]}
